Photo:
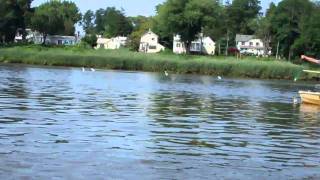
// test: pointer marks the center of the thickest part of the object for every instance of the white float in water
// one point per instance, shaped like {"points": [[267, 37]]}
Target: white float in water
{"points": [[83, 69], [93, 70], [166, 73], [219, 77]]}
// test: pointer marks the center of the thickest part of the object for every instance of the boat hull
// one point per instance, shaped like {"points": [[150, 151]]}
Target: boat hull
{"points": [[310, 97]]}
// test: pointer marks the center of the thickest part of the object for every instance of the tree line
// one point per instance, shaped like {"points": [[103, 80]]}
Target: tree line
{"points": [[290, 28]]}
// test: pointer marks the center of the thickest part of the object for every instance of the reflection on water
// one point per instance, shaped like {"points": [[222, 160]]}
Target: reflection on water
{"points": [[65, 123]]}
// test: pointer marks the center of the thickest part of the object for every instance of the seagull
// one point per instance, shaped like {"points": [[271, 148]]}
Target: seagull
{"points": [[166, 73], [219, 77], [93, 70], [83, 69]]}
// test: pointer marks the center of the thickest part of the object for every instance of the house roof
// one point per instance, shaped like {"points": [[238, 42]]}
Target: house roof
{"points": [[103, 40], [207, 39], [150, 32], [244, 38]]}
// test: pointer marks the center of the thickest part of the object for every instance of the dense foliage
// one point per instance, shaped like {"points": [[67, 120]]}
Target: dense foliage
{"points": [[290, 28], [108, 22], [90, 39], [141, 25], [14, 14], [185, 17], [55, 17]]}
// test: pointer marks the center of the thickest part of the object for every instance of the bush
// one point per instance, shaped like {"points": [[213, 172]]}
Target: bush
{"points": [[89, 39]]}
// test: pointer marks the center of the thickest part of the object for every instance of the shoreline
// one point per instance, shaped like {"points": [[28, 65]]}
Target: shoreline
{"points": [[248, 67]]}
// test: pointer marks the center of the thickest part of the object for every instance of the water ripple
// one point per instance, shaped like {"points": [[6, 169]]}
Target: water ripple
{"points": [[64, 123]]}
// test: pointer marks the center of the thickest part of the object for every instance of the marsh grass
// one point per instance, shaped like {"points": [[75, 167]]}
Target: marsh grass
{"points": [[126, 60]]}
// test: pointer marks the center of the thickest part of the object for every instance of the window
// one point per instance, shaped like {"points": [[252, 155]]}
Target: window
{"points": [[242, 43], [152, 39], [195, 47], [152, 47], [59, 42], [178, 44], [251, 43], [257, 44], [101, 45]]}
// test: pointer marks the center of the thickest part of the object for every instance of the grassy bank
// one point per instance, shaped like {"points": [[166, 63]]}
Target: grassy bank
{"points": [[126, 60]]}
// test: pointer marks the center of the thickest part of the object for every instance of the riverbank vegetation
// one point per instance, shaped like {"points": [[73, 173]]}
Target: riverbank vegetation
{"points": [[127, 60], [289, 28]]}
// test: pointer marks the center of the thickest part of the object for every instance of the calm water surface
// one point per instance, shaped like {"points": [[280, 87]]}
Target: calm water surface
{"points": [[67, 124]]}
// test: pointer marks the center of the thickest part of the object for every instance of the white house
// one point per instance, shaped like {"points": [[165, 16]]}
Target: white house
{"points": [[203, 45], [37, 38], [31, 36], [249, 44], [112, 43], [149, 43], [61, 40]]}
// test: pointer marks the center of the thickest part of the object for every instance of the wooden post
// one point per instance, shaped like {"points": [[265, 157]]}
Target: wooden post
{"points": [[227, 43], [277, 54]]}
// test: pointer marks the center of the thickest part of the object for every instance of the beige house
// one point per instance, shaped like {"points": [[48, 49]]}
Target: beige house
{"points": [[203, 45], [249, 44], [112, 43], [149, 43]]}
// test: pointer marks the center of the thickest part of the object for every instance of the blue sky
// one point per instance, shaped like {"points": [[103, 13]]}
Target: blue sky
{"points": [[131, 7]]}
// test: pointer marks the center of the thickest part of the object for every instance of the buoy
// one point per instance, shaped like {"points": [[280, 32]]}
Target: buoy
{"points": [[93, 70], [219, 77], [83, 69], [166, 73]]}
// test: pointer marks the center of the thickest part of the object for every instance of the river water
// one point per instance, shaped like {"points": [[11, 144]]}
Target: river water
{"points": [[62, 123]]}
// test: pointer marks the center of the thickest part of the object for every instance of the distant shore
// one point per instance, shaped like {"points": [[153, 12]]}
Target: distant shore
{"points": [[123, 59]]}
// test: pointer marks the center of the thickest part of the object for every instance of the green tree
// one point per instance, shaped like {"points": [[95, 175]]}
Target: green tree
{"points": [[13, 16], [112, 22], [286, 21], [99, 21], [55, 17], [262, 27], [217, 27], [141, 24], [184, 17], [88, 22], [240, 13], [309, 40], [90, 39]]}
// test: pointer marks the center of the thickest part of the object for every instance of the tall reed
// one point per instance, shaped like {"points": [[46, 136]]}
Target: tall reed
{"points": [[127, 60]]}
